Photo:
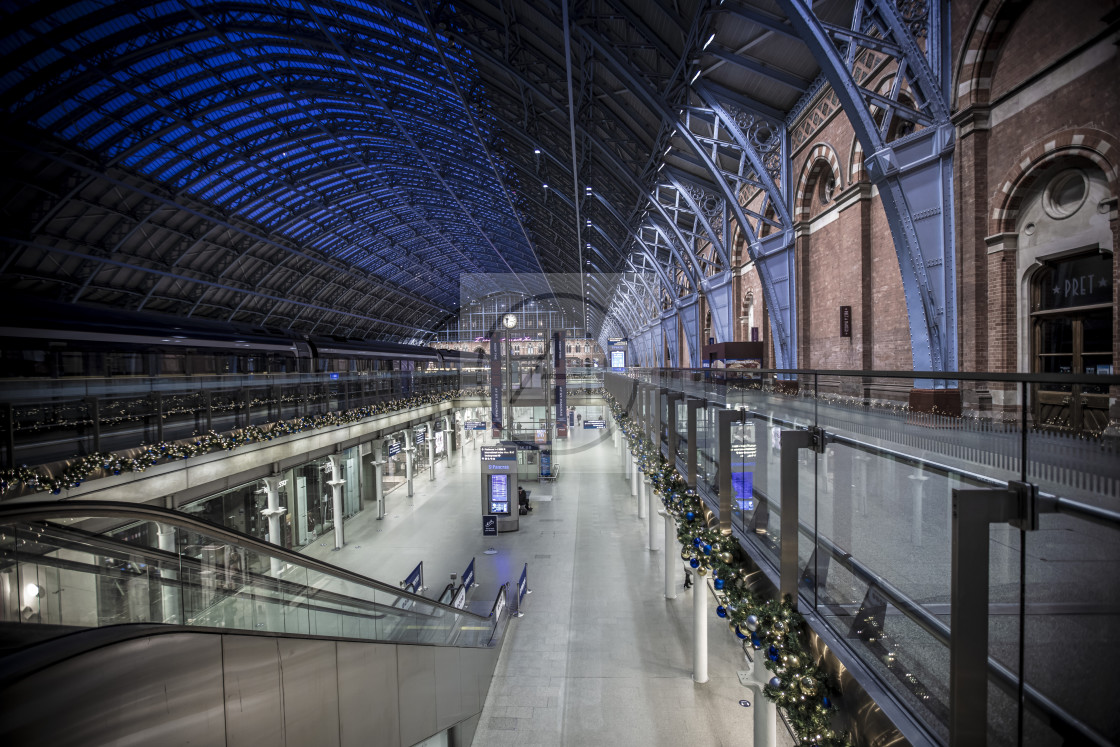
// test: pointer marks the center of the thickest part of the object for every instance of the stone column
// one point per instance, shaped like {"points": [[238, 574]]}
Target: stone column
{"points": [[273, 514], [336, 484]]}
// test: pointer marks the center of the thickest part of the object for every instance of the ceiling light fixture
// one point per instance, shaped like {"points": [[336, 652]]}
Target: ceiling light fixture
{"points": [[710, 40]]}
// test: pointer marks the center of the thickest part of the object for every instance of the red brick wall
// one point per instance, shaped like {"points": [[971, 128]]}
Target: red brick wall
{"points": [[891, 344], [1010, 43]]}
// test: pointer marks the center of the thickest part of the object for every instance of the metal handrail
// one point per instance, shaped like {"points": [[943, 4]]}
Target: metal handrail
{"points": [[1028, 378], [1003, 677], [137, 511]]}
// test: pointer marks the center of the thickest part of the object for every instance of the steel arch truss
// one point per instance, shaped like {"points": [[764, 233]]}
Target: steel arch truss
{"points": [[902, 123]]}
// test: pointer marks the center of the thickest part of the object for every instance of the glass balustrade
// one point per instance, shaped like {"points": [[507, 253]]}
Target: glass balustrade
{"points": [[81, 567], [875, 516]]}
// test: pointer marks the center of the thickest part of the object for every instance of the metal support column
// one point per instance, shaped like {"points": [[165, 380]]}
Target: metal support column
{"points": [[693, 405], [723, 433], [974, 511], [792, 442]]}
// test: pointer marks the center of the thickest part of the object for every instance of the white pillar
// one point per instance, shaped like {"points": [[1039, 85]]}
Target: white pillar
{"points": [[336, 498], [633, 474], [699, 629], [641, 492], [670, 559], [168, 592], [379, 478], [431, 437], [409, 447], [766, 711], [654, 504], [273, 514]]}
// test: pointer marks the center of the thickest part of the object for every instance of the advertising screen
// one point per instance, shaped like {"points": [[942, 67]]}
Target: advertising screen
{"points": [[743, 454], [618, 359], [499, 494]]}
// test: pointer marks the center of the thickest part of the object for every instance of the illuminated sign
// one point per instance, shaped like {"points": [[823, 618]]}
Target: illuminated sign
{"points": [[499, 453], [499, 494]]}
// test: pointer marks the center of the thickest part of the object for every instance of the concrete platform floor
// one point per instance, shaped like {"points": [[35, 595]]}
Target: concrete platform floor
{"points": [[600, 657]]}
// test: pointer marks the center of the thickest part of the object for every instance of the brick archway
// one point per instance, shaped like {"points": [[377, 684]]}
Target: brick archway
{"points": [[987, 33], [820, 157], [1087, 143]]}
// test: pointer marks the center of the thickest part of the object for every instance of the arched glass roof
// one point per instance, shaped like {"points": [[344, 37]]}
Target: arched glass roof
{"points": [[340, 167]]}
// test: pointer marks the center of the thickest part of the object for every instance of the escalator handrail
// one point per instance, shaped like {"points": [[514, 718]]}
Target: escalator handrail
{"points": [[140, 512]]}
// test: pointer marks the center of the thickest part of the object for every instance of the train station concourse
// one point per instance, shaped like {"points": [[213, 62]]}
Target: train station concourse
{"points": [[565, 372]]}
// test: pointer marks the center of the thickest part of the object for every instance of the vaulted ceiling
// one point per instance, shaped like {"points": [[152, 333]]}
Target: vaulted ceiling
{"points": [[358, 168]]}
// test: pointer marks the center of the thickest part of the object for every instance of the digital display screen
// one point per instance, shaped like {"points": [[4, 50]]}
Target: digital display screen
{"points": [[743, 454], [618, 359], [499, 494]]}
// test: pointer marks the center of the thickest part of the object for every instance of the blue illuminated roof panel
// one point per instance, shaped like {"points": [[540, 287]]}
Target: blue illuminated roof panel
{"points": [[354, 141]]}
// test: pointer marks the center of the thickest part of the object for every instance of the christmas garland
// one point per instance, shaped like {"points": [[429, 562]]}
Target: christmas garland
{"points": [[799, 686], [99, 464]]}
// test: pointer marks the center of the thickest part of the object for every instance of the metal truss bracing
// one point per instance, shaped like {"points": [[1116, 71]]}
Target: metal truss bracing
{"points": [[903, 124], [355, 169]]}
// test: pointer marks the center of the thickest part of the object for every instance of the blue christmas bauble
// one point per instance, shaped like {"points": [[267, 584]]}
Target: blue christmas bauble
{"points": [[696, 542], [721, 612], [775, 682], [756, 642], [689, 516], [772, 653], [706, 549], [694, 563], [826, 702], [739, 633], [719, 583]]}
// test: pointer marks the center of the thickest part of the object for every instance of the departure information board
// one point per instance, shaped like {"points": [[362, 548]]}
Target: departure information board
{"points": [[499, 494]]}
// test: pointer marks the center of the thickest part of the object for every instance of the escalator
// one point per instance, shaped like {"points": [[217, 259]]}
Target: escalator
{"points": [[130, 624]]}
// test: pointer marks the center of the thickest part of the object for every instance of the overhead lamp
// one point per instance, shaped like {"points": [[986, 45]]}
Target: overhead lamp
{"points": [[669, 149], [661, 166], [537, 151], [544, 186], [695, 75], [710, 40]]}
